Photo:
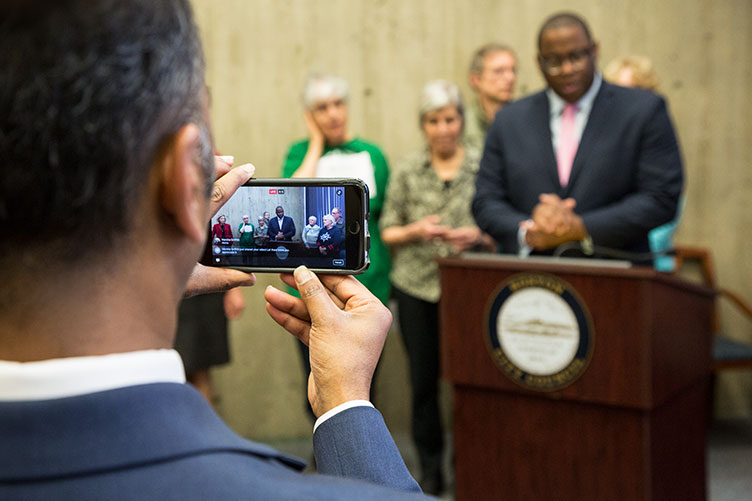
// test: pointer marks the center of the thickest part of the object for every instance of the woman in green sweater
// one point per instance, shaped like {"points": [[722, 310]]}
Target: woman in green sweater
{"points": [[332, 151]]}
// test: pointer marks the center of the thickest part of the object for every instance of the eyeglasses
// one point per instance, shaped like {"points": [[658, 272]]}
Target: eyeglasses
{"points": [[578, 59]]}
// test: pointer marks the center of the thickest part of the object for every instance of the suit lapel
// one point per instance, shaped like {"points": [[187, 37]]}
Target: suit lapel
{"points": [[541, 124], [597, 122]]}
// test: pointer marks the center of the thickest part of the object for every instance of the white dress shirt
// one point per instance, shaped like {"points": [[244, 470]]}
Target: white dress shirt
{"points": [[556, 108], [70, 377]]}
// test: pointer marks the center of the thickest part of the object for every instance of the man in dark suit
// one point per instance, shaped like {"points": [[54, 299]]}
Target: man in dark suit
{"points": [[281, 227], [104, 135], [583, 160]]}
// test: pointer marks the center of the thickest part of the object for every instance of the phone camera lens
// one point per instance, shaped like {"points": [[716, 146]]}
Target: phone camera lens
{"points": [[354, 228]]}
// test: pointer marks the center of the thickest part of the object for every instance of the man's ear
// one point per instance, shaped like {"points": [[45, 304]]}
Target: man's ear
{"points": [[539, 62], [183, 187]]}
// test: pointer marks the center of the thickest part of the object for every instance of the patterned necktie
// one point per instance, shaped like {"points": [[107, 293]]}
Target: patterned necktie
{"points": [[568, 143]]}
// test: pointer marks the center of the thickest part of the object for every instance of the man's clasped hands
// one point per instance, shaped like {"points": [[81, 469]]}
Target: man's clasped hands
{"points": [[553, 223]]}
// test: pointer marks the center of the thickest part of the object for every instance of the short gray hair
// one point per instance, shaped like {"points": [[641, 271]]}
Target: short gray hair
{"points": [[440, 93], [327, 216], [320, 86], [476, 64]]}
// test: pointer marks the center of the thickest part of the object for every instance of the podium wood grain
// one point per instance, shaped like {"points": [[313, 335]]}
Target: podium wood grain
{"points": [[631, 427]]}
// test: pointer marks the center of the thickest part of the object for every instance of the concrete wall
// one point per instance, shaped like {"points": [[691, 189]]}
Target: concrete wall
{"points": [[254, 203], [259, 52]]}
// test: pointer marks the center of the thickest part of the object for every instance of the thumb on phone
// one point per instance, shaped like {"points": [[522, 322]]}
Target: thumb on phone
{"points": [[312, 292]]}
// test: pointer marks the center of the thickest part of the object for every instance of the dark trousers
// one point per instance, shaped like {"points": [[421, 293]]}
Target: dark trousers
{"points": [[419, 324]]}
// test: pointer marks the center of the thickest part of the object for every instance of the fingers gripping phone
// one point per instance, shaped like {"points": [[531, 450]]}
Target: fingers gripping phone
{"points": [[276, 225]]}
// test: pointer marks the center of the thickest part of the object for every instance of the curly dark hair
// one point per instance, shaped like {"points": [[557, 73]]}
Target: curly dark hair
{"points": [[90, 92], [563, 19]]}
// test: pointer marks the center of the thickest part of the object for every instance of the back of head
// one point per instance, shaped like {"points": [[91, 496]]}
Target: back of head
{"points": [[90, 92], [640, 69]]}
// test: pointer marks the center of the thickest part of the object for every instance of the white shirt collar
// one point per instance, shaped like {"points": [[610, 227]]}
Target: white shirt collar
{"points": [[68, 377], [556, 103]]}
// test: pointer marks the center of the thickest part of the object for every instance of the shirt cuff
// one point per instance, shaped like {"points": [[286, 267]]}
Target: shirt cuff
{"points": [[340, 408], [525, 249]]}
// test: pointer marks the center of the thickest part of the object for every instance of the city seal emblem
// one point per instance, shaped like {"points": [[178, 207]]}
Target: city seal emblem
{"points": [[539, 331]]}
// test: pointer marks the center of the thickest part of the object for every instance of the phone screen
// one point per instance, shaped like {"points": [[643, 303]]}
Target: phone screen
{"points": [[280, 224]]}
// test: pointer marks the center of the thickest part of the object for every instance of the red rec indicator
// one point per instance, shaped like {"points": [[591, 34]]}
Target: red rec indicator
{"points": [[272, 191]]}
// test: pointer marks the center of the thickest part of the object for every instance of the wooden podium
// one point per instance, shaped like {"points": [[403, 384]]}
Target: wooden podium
{"points": [[631, 427]]}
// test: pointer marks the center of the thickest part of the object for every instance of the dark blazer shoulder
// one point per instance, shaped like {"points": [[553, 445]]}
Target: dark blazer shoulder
{"points": [[522, 108], [156, 442], [106, 431], [628, 99]]}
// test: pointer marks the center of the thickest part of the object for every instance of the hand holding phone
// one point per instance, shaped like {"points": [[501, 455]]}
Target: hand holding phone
{"points": [[345, 327], [204, 279], [320, 223]]}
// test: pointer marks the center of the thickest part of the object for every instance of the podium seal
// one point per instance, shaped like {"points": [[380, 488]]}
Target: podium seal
{"points": [[540, 332]]}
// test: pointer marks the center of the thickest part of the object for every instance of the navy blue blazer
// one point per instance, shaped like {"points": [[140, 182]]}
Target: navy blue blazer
{"points": [[163, 441], [626, 177], [288, 228]]}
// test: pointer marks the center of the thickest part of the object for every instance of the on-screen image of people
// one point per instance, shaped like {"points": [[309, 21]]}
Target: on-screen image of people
{"points": [[221, 231], [281, 228], [427, 215], [261, 233], [311, 233], [266, 218], [339, 221], [246, 230], [330, 238]]}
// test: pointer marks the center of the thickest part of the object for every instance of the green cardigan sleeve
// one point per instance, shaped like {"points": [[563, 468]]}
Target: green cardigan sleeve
{"points": [[294, 158]]}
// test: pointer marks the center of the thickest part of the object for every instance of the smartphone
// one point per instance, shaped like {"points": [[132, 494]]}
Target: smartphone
{"points": [[276, 225]]}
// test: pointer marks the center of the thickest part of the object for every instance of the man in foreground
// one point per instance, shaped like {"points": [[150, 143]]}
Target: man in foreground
{"points": [[581, 161], [104, 136]]}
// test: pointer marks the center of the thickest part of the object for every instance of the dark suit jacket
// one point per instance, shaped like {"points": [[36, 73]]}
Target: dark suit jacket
{"points": [[163, 441], [288, 228], [626, 177]]}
